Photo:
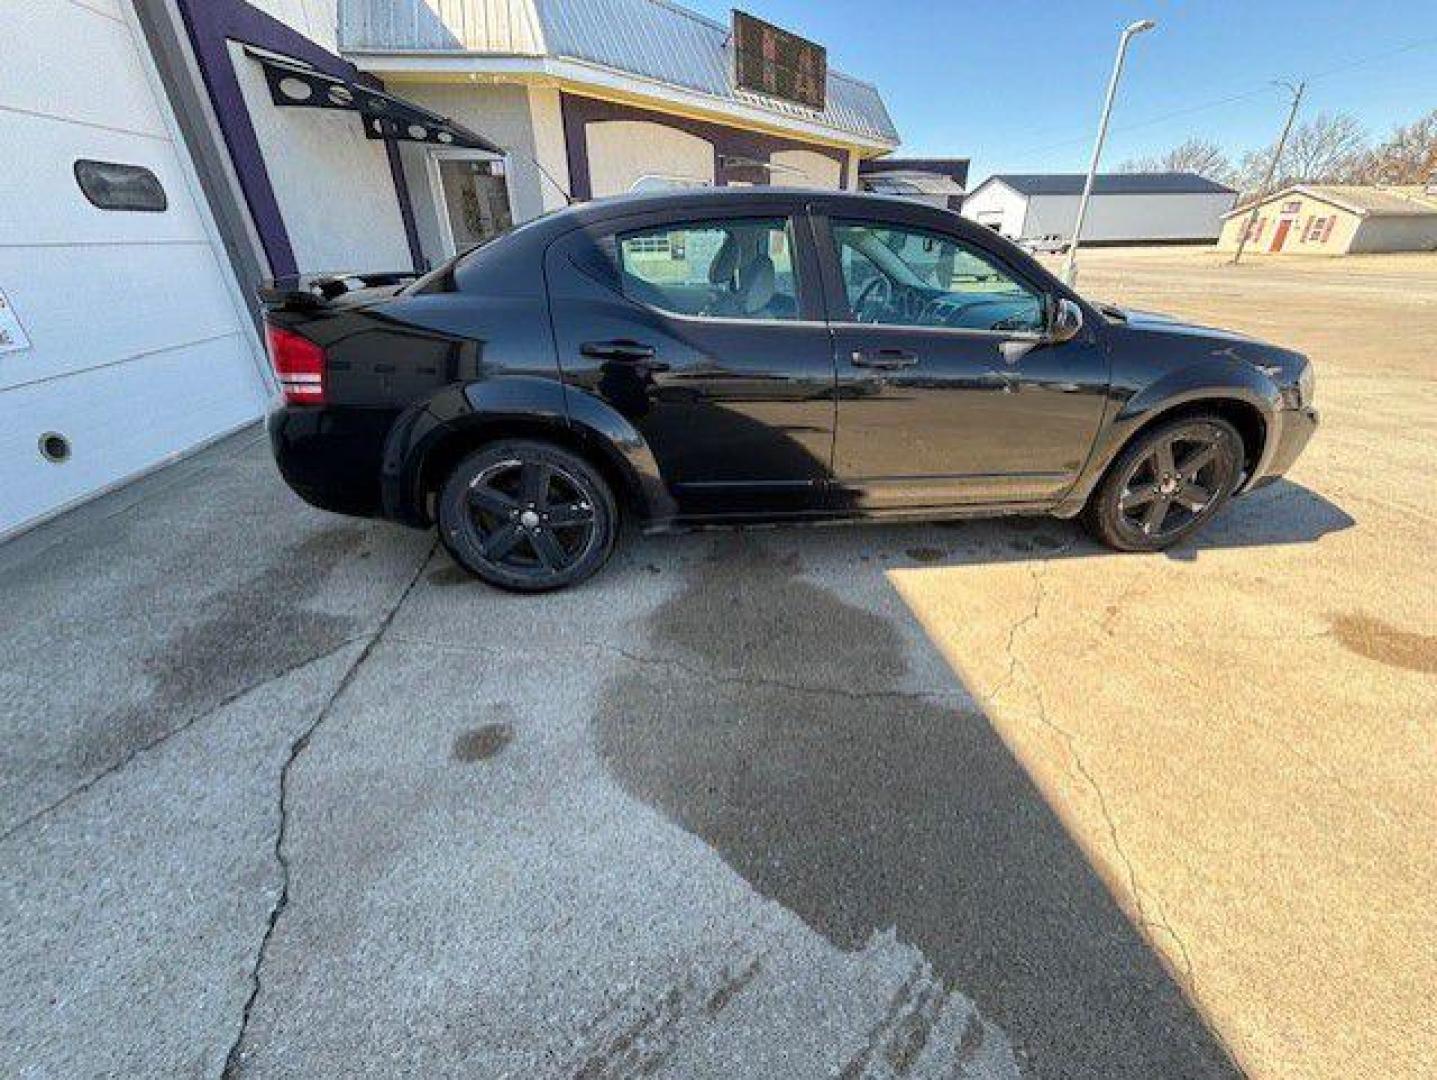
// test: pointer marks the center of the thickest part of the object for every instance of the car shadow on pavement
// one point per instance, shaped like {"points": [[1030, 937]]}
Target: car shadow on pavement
{"points": [[777, 722]]}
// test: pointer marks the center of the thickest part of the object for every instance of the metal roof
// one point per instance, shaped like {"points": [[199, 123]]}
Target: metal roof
{"points": [[652, 39], [1155, 183], [1366, 200]]}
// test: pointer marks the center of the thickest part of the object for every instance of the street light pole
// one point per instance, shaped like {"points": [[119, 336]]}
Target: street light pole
{"points": [[1297, 92], [1070, 268]]}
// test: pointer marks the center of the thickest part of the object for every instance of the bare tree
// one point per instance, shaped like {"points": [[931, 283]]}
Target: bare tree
{"points": [[1193, 155], [1330, 148], [1409, 156], [1325, 148]]}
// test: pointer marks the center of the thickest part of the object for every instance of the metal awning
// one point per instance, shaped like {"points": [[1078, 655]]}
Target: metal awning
{"points": [[293, 83]]}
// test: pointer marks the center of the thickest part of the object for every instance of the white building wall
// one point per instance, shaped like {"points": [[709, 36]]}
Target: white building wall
{"points": [[1396, 234], [317, 20], [997, 205], [334, 186], [139, 344], [501, 113], [1130, 217]]}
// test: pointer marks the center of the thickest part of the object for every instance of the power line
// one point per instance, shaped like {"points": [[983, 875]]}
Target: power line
{"points": [[1217, 103]]}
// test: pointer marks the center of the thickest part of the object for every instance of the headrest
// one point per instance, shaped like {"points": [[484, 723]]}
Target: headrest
{"points": [[756, 284], [721, 270]]}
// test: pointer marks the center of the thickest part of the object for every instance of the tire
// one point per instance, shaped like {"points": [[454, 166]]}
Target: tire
{"points": [[1166, 484], [527, 516]]}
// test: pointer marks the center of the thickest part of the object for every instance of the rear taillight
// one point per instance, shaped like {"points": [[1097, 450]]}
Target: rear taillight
{"points": [[299, 364]]}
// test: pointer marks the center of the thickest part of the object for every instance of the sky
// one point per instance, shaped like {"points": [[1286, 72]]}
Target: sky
{"points": [[1017, 85]]}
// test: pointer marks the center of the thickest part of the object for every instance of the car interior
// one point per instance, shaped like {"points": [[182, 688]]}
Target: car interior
{"points": [[898, 277], [737, 269]]}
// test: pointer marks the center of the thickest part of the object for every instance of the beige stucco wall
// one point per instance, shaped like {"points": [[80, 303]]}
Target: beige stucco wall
{"points": [[1307, 208], [621, 152], [815, 170], [547, 117]]}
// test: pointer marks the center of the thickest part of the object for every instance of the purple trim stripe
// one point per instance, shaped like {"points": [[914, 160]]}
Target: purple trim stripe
{"points": [[212, 24]]}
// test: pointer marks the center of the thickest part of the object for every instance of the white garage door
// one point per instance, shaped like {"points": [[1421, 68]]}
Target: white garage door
{"points": [[127, 341]]}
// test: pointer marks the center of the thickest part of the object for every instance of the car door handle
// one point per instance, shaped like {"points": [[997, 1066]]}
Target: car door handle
{"points": [[617, 350], [883, 359]]}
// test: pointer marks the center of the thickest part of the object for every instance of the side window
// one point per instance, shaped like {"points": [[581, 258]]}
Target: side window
{"points": [[904, 277], [741, 268], [112, 186]]}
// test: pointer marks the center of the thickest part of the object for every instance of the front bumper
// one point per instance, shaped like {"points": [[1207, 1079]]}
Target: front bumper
{"points": [[1295, 428]]}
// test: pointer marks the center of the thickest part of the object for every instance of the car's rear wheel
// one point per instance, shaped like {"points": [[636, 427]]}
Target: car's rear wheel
{"points": [[528, 516], [1166, 484]]}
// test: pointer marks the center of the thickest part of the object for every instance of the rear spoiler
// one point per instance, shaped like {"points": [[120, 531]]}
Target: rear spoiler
{"points": [[317, 290]]}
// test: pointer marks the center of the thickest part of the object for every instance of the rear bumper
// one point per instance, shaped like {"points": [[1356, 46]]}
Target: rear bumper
{"points": [[1295, 430], [331, 457]]}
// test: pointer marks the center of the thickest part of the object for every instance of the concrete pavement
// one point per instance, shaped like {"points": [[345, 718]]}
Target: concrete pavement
{"points": [[286, 795]]}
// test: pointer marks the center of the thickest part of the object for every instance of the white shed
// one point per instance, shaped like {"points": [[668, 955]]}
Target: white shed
{"points": [[1127, 208]]}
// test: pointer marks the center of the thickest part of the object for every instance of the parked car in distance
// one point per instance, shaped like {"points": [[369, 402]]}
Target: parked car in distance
{"points": [[1048, 244], [758, 354]]}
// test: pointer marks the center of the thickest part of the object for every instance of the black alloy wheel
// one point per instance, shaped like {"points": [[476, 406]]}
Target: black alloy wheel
{"points": [[528, 516], [1166, 484]]}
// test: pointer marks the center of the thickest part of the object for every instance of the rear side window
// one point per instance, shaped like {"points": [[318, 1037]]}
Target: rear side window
{"points": [[113, 186], [739, 268]]}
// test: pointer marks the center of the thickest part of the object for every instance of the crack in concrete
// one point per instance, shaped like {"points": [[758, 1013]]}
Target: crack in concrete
{"points": [[1157, 922], [757, 682], [234, 1060], [180, 729]]}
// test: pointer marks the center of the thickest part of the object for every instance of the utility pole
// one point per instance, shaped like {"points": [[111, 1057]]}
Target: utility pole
{"points": [[1070, 268], [1297, 92]]}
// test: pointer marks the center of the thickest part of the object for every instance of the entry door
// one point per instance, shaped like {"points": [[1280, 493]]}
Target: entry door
{"points": [[947, 392], [706, 334], [1283, 228], [471, 196]]}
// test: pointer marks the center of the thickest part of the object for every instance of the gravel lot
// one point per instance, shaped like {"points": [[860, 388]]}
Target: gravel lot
{"points": [[285, 794]]}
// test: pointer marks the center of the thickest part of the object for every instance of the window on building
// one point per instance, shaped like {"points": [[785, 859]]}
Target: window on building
{"points": [[1327, 228], [113, 186], [1314, 232], [1294, 207], [903, 277], [1307, 228], [740, 268]]}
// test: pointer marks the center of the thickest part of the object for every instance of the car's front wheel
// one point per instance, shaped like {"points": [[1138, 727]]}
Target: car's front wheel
{"points": [[1166, 484], [528, 516]]}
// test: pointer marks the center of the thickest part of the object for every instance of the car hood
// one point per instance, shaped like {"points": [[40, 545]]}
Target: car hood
{"points": [[1168, 324], [1283, 365]]}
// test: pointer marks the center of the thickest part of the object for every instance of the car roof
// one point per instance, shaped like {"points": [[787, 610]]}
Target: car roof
{"points": [[707, 198]]}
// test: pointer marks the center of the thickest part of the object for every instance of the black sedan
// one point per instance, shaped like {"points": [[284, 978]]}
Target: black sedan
{"points": [[758, 354]]}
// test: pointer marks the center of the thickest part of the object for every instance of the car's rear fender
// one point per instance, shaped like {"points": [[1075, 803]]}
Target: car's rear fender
{"points": [[432, 435], [1238, 389]]}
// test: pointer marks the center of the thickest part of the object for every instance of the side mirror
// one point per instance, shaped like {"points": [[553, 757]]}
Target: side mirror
{"points": [[1066, 321]]}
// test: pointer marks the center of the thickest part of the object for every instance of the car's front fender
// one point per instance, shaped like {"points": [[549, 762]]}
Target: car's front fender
{"points": [[1131, 408]]}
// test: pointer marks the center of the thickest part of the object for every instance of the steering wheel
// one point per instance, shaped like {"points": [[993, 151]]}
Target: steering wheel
{"points": [[869, 295]]}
